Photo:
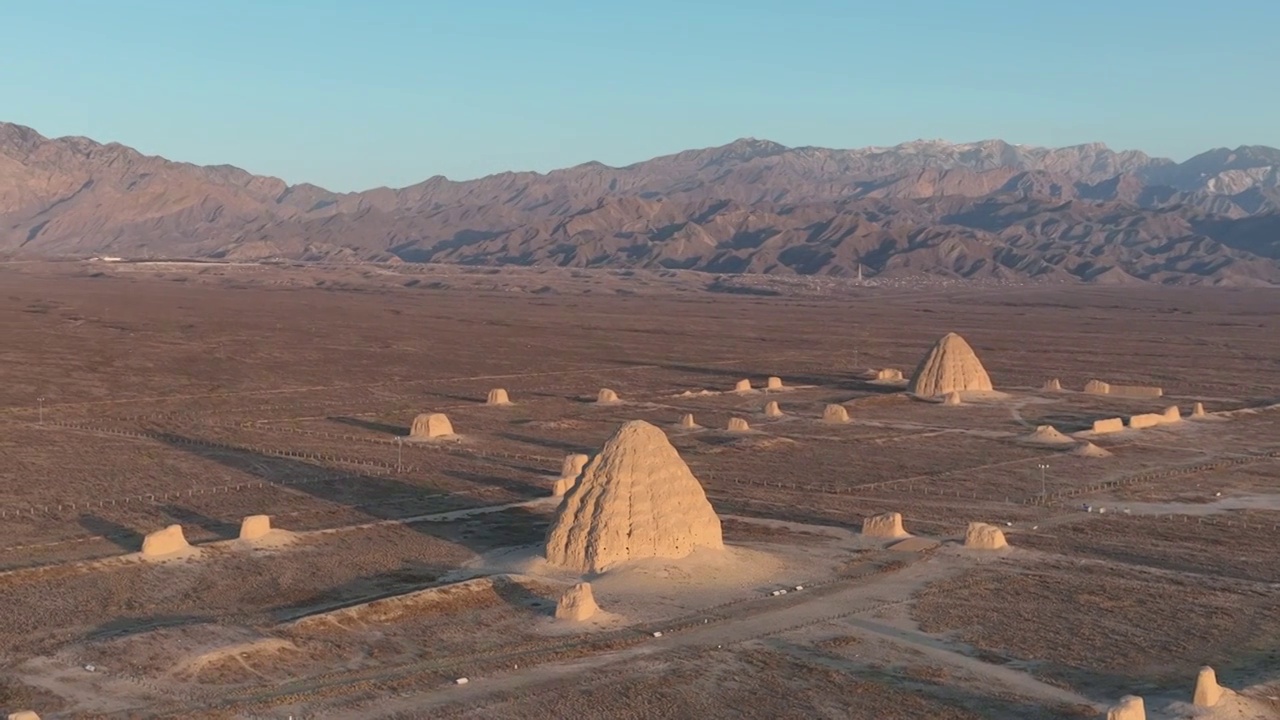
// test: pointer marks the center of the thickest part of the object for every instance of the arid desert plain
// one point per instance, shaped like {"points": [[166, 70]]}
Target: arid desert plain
{"points": [[400, 576]]}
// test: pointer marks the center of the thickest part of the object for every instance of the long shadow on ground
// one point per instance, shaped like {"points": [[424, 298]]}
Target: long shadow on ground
{"points": [[123, 627], [125, 538], [372, 425], [357, 492], [222, 529], [560, 445]]}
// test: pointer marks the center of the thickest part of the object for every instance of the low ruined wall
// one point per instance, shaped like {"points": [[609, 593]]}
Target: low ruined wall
{"points": [[1136, 391], [1097, 387], [1145, 420], [1109, 425]]}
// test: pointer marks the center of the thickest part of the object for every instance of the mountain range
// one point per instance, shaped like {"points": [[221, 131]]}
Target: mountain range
{"points": [[974, 210]]}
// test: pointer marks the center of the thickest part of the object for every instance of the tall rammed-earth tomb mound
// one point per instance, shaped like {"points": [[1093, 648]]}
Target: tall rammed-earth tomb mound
{"points": [[949, 366], [635, 499]]}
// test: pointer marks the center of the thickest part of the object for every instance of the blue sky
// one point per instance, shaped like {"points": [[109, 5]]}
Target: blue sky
{"points": [[352, 95]]}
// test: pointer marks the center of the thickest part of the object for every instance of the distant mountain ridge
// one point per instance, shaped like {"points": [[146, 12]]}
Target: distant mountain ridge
{"points": [[982, 209]]}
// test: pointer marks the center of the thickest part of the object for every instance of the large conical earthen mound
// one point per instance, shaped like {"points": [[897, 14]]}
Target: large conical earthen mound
{"points": [[950, 366], [636, 499]]}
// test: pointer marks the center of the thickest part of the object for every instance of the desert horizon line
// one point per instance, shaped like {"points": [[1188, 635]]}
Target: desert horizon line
{"points": [[742, 140]]}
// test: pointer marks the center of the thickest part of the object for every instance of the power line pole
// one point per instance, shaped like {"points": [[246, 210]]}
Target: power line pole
{"points": [[40, 400]]}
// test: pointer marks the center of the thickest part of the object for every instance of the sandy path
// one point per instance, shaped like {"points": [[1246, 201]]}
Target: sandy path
{"points": [[1266, 501], [793, 611], [840, 604]]}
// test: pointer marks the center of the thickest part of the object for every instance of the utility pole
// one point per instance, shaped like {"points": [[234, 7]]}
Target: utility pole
{"points": [[41, 401], [399, 448], [861, 337], [1044, 493]]}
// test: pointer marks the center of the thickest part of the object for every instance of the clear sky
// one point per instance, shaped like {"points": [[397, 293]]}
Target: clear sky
{"points": [[352, 95]]}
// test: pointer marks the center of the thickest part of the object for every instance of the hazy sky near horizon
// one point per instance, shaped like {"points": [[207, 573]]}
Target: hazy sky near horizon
{"points": [[351, 95]]}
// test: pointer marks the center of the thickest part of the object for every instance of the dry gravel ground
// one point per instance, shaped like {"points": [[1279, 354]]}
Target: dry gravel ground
{"points": [[757, 681], [199, 394]]}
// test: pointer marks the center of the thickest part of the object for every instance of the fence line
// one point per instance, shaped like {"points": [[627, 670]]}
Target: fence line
{"points": [[1149, 476]]}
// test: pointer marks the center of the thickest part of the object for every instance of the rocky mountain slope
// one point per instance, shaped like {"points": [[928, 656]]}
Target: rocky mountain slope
{"points": [[987, 209]]}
